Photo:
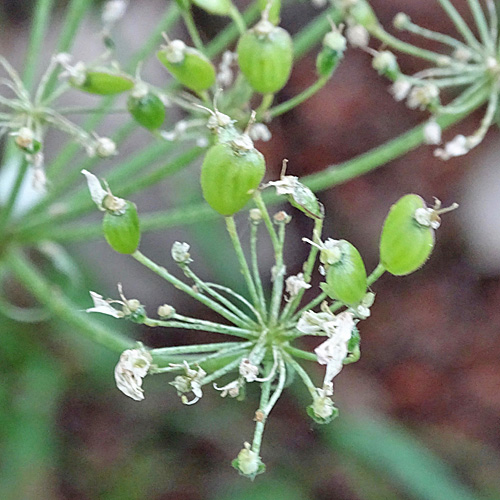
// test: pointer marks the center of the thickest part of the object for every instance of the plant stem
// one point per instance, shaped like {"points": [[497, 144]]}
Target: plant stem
{"points": [[245, 270], [54, 300], [255, 269], [6, 211], [278, 277], [187, 17], [286, 106], [180, 285], [299, 353], [259, 426], [238, 19], [376, 274]]}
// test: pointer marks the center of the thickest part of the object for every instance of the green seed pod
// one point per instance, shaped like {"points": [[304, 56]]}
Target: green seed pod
{"points": [[147, 110], [273, 14], [346, 279], [103, 82], [230, 173], [405, 244], [121, 228], [217, 7], [189, 66], [265, 57]]}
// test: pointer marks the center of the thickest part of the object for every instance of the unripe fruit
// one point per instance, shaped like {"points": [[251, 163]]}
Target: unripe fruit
{"points": [[346, 279], [265, 57], [104, 83], [230, 174], [189, 66], [405, 243], [148, 110], [334, 45], [121, 229]]}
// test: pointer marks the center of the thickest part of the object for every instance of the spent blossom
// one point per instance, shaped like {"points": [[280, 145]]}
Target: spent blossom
{"points": [[133, 366]]}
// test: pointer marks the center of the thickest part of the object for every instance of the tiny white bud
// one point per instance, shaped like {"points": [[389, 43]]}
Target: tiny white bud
{"points": [[259, 132], [432, 132], [24, 138], [165, 311], [113, 11], [400, 89], [357, 35], [401, 21], [105, 147], [294, 284], [248, 462]]}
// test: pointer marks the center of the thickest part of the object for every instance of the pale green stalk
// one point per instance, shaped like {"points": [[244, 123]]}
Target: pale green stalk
{"points": [[200, 325], [177, 283], [222, 371], [442, 38], [255, 268], [196, 349], [245, 320], [482, 25], [461, 25], [302, 374], [187, 17], [245, 270], [279, 388], [278, 277], [265, 389]]}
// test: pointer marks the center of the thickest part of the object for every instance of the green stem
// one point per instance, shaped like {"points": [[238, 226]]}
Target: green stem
{"points": [[311, 305], [461, 25], [222, 371], [245, 270], [290, 308], [6, 211], [267, 100], [245, 320], [196, 349], [302, 374], [177, 283], [406, 48], [482, 25], [286, 106], [239, 21], [74, 14], [259, 426], [54, 300], [204, 326], [279, 277], [255, 268], [187, 17], [299, 353], [38, 30], [376, 274], [267, 220]]}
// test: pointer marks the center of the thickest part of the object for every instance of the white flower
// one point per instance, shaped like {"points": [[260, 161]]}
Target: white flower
{"points": [[259, 132], [24, 138], [113, 11], [458, 146], [294, 284], [180, 253], [311, 323], [421, 96], [400, 89], [225, 74], [331, 250], [190, 382], [233, 389], [334, 350], [130, 371], [103, 306], [248, 370], [286, 185], [432, 132]]}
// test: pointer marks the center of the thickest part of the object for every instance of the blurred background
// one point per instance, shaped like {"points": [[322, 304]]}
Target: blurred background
{"points": [[420, 411]]}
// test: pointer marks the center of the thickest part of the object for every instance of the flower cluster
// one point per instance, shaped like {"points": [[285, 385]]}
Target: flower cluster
{"points": [[266, 325]]}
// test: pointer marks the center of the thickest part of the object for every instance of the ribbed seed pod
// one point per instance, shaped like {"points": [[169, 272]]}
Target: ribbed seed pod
{"points": [[103, 83], [265, 57], [346, 279], [121, 229], [188, 66], [230, 174], [147, 110], [405, 244]]}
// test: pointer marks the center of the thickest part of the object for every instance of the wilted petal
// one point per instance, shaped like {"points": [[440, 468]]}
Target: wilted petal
{"points": [[103, 306], [97, 193], [133, 366]]}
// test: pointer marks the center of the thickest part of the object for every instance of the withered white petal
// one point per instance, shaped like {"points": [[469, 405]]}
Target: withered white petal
{"points": [[102, 306], [133, 366], [97, 193]]}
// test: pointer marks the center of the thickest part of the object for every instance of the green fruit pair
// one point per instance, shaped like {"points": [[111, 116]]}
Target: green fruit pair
{"points": [[407, 237], [265, 57], [103, 82], [230, 174]]}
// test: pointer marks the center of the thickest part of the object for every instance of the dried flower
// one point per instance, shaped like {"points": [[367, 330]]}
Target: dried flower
{"points": [[133, 366]]}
